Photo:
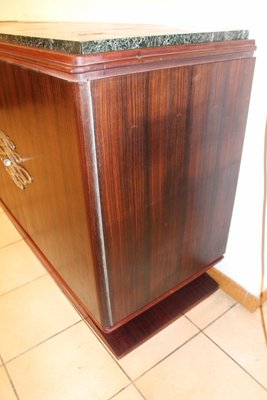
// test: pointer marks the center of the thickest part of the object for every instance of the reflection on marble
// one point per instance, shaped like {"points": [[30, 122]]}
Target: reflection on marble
{"points": [[125, 43]]}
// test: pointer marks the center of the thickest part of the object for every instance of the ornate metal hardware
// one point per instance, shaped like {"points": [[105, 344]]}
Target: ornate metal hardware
{"points": [[12, 160]]}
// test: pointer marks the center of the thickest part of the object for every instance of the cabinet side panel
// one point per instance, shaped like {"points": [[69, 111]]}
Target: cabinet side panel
{"points": [[168, 144], [40, 114]]}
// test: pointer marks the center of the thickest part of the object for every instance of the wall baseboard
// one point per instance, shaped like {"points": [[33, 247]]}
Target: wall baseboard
{"points": [[236, 291]]}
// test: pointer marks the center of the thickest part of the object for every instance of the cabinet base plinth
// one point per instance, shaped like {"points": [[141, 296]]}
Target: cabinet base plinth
{"points": [[127, 337]]}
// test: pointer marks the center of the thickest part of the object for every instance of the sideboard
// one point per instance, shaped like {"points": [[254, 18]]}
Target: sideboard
{"points": [[120, 149]]}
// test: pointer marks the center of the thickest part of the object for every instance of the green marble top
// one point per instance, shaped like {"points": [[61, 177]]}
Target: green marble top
{"points": [[90, 38]]}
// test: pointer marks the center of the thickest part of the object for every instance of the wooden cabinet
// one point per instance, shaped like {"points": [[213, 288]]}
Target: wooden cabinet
{"points": [[134, 158]]}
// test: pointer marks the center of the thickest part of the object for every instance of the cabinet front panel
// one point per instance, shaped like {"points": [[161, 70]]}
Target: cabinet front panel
{"points": [[168, 147], [39, 114]]}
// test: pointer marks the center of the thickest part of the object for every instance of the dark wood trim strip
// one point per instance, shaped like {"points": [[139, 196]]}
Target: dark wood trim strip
{"points": [[163, 64], [145, 59], [135, 332]]}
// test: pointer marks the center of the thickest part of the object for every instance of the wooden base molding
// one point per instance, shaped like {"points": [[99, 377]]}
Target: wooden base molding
{"points": [[139, 329], [236, 291]]}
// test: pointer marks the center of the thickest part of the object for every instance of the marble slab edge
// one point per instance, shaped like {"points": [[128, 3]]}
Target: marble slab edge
{"points": [[130, 43]]}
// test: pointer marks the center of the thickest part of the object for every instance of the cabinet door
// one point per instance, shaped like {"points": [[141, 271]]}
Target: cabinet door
{"points": [[168, 148], [40, 115]]}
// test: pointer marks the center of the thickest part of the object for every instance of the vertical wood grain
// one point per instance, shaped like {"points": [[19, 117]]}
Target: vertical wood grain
{"points": [[168, 148], [40, 113]]}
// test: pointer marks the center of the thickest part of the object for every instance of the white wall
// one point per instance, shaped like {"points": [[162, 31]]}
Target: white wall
{"points": [[242, 261], [160, 11], [243, 254]]}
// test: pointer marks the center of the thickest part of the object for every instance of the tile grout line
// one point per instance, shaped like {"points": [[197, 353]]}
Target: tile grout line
{"points": [[9, 378], [202, 331], [116, 361], [10, 244], [121, 390], [106, 348], [210, 323], [228, 355], [42, 342], [24, 284], [169, 354], [231, 358], [221, 315], [165, 357], [139, 391], [193, 323], [187, 341]]}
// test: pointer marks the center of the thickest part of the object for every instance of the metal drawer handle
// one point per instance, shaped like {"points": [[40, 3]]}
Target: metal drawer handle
{"points": [[12, 160]]}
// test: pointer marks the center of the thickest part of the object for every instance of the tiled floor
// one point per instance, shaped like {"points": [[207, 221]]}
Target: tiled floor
{"points": [[216, 351]]}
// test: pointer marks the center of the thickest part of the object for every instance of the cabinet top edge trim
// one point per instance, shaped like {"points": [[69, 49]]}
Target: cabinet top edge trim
{"points": [[76, 64]]}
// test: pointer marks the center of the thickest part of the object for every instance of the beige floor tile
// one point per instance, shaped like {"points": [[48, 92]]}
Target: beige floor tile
{"points": [[1, 210], [158, 347], [18, 265], [210, 309], [130, 393], [6, 390], [239, 333], [199, 370], [32, 313], [71, 365], [8, 233]]}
